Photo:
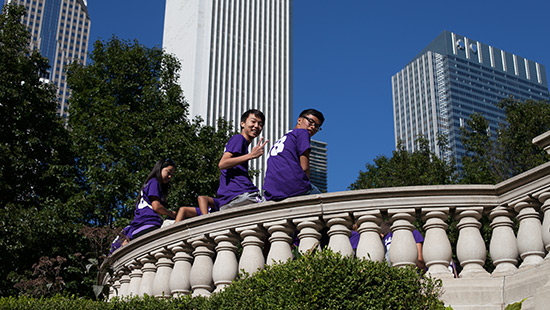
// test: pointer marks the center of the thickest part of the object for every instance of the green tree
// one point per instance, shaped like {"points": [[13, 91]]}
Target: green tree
{"points": [[480, 164], [490, 160], [35, 158], [404, 168], [126, 112]]}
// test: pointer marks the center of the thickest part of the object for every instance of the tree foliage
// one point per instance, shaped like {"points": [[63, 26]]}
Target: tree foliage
{"points": [[490, 160], [405, 168], [127, 112], [35, 158]]}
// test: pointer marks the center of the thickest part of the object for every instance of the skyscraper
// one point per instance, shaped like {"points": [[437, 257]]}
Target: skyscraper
{"points": [[452, 78], [235, 55], [318, 165], [60, 31]]}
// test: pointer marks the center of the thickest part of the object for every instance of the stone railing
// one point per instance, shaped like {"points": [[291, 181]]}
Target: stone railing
{"points": [[199, 256]]}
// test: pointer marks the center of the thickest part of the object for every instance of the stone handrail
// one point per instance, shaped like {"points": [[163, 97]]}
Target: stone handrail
{"points": [[199, 256]]}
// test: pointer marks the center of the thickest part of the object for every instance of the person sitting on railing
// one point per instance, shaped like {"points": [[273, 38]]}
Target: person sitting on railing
{"points": [[236, 188], [206, 205], [150, 203], [287, 172]]}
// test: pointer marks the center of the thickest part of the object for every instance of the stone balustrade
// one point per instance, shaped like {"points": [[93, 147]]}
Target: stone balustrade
{"points": [[199, 256]]}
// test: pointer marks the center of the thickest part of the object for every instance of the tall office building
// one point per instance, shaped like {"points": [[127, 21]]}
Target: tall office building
{"points": [[452, 78], [318, 165], [235, 55], [60, 31]]}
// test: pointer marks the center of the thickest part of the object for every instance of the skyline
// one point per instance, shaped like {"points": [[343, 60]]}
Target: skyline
{"points": [[344, 57]]}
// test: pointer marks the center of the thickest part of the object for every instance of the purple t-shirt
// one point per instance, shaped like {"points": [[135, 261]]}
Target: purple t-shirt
{"points": [[284, 176], [144, 214], [235, 181]]}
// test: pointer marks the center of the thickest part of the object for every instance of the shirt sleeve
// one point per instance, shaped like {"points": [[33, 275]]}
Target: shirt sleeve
{"points": [[235, 145], [418, 236], [302, 136]]}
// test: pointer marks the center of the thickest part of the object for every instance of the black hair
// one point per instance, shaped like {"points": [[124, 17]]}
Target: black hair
{"points": [[256, 113], [157, 174], [315, 113]]}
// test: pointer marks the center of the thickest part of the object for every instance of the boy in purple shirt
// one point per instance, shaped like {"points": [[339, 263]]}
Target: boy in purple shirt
{"points": [[287, 172], [236, 187]]}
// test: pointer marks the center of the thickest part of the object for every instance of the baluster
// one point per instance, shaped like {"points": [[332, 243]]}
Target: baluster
{"points": [[470, 247], [437, 251], [135, 278], [503, 246], [112, 288], [544, 198], [339, 232], [281, 233], [403, 250], [226, 266], [252, 258], [181, 273], [148, 269], [161, 284], [370, 245], [309, 235], [116, 285], [201, 271], [529, 239], [124, 282]]}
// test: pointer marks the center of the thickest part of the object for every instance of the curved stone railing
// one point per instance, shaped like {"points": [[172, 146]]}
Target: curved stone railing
{"points": [[199, 256]]}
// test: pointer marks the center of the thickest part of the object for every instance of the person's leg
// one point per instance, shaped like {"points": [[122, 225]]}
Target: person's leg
{"points": [[205, 204], [185, 212]]}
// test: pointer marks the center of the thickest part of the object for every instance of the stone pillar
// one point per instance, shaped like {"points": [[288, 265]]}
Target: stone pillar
{"points": [[370, 244], [281, 233], [181, 273], [135, 278], [339, 232], [470, 247], [437, 251], [112, 282], [201, 271], [252, 257], [503, 246], [161, 284], [403, 250], [148, 269], [226, 266], [124, 282], [309, 236], [544, 198], [116, 285], [529, 239]]}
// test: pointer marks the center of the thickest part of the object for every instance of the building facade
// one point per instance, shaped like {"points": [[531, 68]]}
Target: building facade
{"points": [[318, 165], [452, 78], [60, 30], [235, 55]]}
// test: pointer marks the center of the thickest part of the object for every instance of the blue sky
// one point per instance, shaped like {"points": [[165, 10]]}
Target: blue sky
{"points": [[345, 52]]}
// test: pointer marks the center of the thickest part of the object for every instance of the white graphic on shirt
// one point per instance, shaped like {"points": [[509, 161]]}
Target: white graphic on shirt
{"points": [[278, 147]]}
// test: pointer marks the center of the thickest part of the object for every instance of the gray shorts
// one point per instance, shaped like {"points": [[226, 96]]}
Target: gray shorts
{"points": [[243, 199]]}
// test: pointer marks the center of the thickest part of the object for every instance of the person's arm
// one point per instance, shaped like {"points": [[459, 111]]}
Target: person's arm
{"points": [[304, 162], [229, 161], [420, 263], [160, 209]]}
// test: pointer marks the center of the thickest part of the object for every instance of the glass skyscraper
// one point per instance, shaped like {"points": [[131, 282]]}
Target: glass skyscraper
{"points": [[60, 31], [452, 78], [235, 55], [318, 165]]}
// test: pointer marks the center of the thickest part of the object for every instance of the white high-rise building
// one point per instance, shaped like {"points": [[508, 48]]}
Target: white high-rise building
{"points": [[235, 55]]}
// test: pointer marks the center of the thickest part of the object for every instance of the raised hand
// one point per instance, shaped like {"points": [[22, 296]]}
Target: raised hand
{"points": [[258, 150]]}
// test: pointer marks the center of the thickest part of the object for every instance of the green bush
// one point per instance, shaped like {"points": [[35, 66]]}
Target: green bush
{"points": [[322, 280], [326, 280]]}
